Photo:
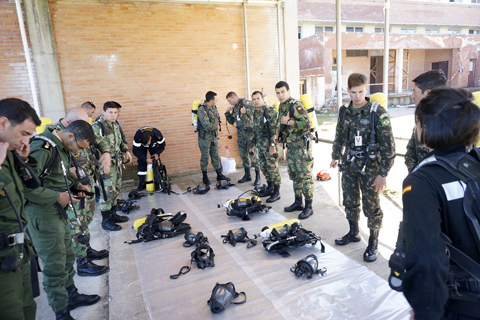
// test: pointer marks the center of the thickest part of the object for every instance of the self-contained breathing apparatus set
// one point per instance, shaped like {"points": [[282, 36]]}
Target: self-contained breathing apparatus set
{"points": [[239, 235], [463, 281], [244, 207], [129, 205], [223, 295], [308, 266]]}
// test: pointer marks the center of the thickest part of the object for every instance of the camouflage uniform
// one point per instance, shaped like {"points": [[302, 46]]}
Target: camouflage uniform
{"points": [[208, 135], [415, 152], [265, 118], [299, 159], [356, 123], [244, 131], [111, 134]]}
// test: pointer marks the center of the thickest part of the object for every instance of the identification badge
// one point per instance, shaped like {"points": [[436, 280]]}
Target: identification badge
{"points": [[238, 117], [358, 141]]}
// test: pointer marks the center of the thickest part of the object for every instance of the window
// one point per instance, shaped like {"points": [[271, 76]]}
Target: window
{"points": [[453, 31], [299, 32], [473, 31], [354, 29], [328, 29], [431, 31], [455, 0], [318, 30], [357, 53], [405, 30], [475, 1], [379, 30]]}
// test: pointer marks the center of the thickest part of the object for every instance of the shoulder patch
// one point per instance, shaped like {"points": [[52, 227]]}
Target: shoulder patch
{"points": [[407, 189], [385, 122], [384, 115], [46, 145]]}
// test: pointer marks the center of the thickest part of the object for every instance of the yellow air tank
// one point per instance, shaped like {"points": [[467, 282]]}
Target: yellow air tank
{"points": [[476, 96], [380, 98], [137, 223], [44, 122], [308, 105], [276, 105], [90, 120], [150, 184], [195, 105], [281, 224]]}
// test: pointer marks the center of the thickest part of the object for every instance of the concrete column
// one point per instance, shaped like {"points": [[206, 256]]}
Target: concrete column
{"points": [[292, 60], [399, 71], [45, 56]]}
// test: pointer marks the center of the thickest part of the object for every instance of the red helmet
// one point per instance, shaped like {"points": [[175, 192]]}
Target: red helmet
{"points": [[323, 175]]}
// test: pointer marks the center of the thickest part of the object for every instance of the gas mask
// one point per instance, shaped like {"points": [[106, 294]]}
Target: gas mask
{"points": [[201, 189], [26, 173], [222, 296], [194, 239], [238, 235], [224, 184], [82, 174], [308, 266]]}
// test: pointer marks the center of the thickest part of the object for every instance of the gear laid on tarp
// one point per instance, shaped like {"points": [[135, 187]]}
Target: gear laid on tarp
{"points": [[192, 238], [222, 296], [281, 239], [244, 207], [158, 226], [136, 195], [201, 189], [127, 205], [308, 266], [203, 255], [323, 175], [224, 184], [239, 235], [260, 190]]}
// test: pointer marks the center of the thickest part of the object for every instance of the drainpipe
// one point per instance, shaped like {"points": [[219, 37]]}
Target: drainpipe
{"points": [[386, 49], [246, 46], [27, 56], [339, 81], [280, 75]]}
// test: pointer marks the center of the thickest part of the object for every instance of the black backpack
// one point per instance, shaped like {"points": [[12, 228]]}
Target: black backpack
{"points": [[161, 180]]}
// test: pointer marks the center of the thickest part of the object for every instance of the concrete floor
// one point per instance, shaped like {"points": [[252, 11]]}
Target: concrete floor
{"points": [[120, 288]]}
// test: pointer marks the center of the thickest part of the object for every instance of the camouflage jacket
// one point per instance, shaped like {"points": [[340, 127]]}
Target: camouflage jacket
{"points": [[208, 119], [300, 115], [111, 135], [264, 124], [243, 120], [356, 122], [415, 152]]}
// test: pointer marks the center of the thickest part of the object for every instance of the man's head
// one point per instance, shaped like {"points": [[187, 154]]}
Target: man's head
{"points": [[257, 99], [357, 88], [111, 110], [145, 138], [425, 82], [282, 90], [77, 136], [18, 121], [232, 98], [89, 107], [211, 98], [74, 115]]}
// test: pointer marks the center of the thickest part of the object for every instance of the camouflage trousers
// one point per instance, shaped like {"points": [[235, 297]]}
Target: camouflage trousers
{"points": [[244, 146], [354, 181], [268, 163], [209, 149], [85, 216], [112, 186], [300, 165]]}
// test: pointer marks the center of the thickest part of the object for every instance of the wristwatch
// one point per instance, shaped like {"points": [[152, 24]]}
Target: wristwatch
{"points": [[288, 122], [273, 144]]}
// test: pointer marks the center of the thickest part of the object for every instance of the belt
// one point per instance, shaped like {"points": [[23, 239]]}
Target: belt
{"points": [[356, 154], [8, 239], [295, 144]]}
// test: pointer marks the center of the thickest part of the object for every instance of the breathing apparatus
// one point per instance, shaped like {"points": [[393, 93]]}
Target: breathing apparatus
{"points": [[308, 266], [81, 172], [243, 207], [228, 130], [158, 212], [194, 239], [201, 189], [265, 233], [239, 235], [26, 173], [222, 296], [161, 226], [203, 255], [224, 184], [195, 105]]}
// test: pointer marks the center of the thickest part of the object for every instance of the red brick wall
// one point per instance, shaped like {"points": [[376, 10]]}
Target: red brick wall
{"points": [[155, 58]]}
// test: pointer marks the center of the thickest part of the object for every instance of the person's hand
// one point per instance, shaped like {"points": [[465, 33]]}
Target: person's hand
{"points": [[333, 164], [229, 108], [380, 183], [23, 151], [83, 188], [150, 161], [271, 150], [105, 162], [285, 118], [129, 156], [412, 315], [3, 151], [74, 172], [243, 110], [64, 199], [155, 156]]}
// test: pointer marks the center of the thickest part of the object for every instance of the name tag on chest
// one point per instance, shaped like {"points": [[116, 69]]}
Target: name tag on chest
{"points": [[358, 141]]}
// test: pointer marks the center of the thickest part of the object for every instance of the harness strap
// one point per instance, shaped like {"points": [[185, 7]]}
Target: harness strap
{"points": [[187, 268]]}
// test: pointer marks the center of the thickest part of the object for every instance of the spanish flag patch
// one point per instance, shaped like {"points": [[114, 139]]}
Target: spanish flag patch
{"points": [[407, 189]]}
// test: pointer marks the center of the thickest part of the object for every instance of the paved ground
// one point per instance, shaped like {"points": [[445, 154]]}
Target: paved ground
{"points": [[120, 289]]}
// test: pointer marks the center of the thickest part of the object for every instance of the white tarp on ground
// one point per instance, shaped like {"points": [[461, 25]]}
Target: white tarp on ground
{"points": [[348, 290]]}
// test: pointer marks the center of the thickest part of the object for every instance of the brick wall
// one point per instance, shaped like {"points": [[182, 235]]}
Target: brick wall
{"points": [[155, 58]]}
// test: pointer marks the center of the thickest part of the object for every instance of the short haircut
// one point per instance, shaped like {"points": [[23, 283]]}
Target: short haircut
{"points": [[430, 80], [17, 111], [356, 79], [88, 105], [144, 137], [231, 94], [448, 117], [111, 105], [82, 131], [210, 96], [282, 84], [257, 92]]}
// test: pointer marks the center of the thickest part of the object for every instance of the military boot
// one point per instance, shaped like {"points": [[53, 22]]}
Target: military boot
{"points": [[220, 175], [371, 253], [114, 217], [296, 206], [76, 299], [93, 254], [142, 184], [351, 236], [107, 224], [86, 268], [268, 190], [307, 211], [257, 178], [63, 314], [205, 178], [246, 177], [275, 195]]}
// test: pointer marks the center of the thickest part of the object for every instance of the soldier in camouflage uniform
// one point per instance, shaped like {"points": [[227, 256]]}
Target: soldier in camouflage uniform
{"points": [[354, 132], [263, 140], [208, 120], [292, 129], [241, 111], [422, 85], [109, 129]]}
